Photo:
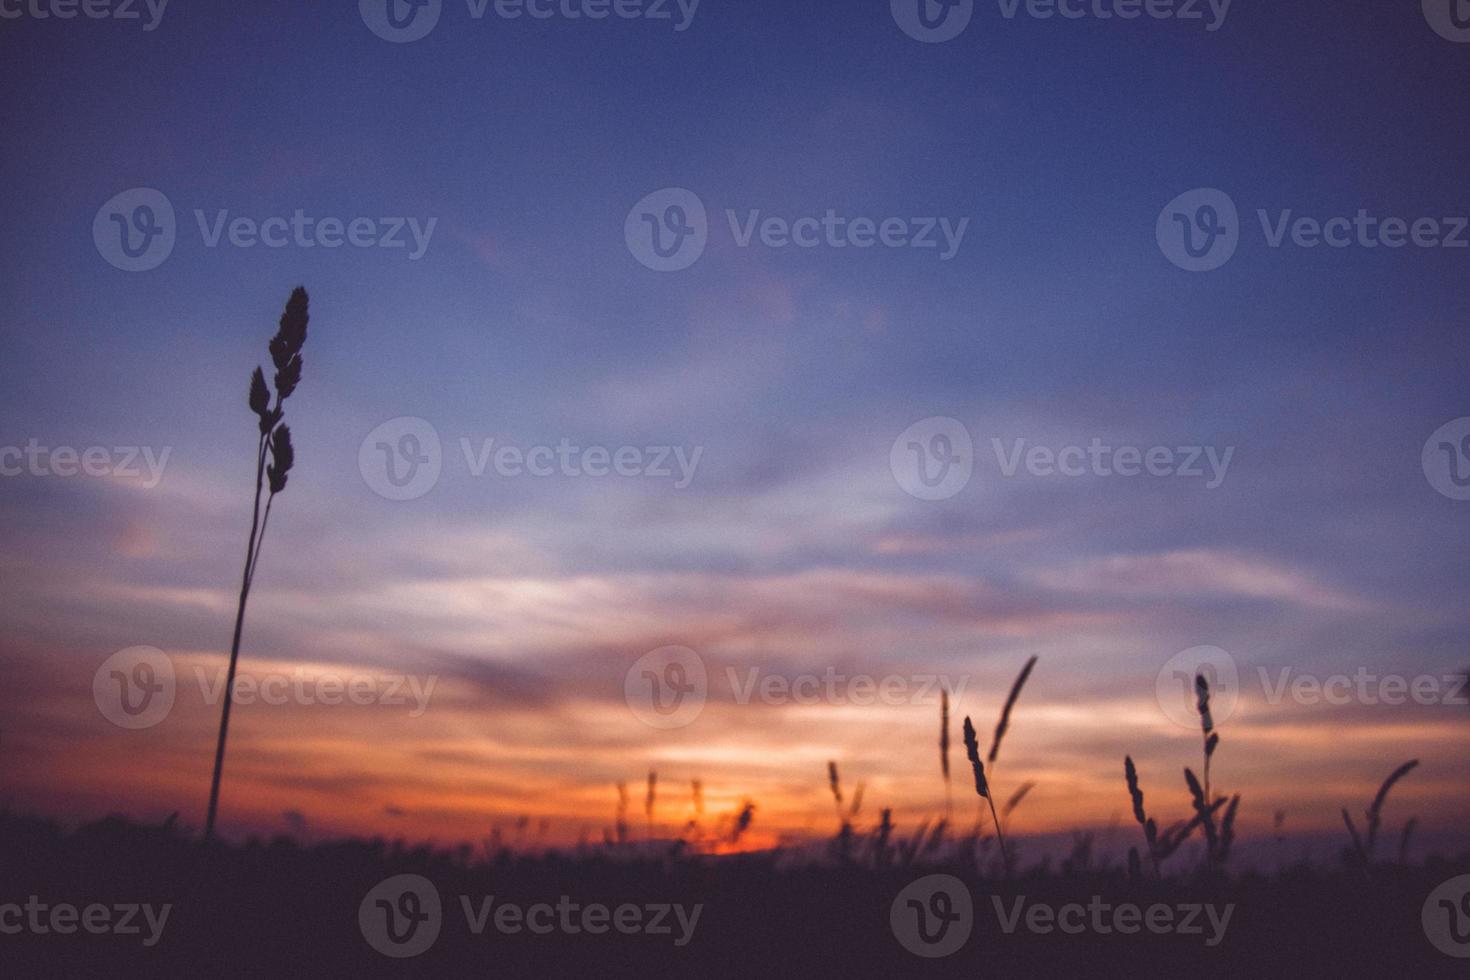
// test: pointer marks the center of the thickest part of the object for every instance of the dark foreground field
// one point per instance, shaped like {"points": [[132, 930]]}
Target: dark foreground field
{"points": [[279, 909]]}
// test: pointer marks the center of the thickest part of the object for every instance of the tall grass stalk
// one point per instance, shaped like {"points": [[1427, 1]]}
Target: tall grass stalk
{"points": [[1004, 724], [982, 787], [274, 442], [944, 751]]}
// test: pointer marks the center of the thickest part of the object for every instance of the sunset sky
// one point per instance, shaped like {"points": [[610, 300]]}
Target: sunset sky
{"points": [[793, 548]]}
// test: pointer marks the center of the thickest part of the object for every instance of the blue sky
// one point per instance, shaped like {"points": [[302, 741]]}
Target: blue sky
{"points": [[529, 321]]}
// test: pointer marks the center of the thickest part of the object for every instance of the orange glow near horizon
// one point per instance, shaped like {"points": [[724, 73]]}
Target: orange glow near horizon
{"points": [[456, 773]]}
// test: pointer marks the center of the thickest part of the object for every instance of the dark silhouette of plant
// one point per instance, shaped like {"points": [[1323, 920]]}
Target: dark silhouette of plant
{"points": [[274, 443], [881, 837], [1161, 846], [1004, 724], [1016, 798], [742, 821], [649, 799], [1150, 829], [1205, 813], [936, 837], [1375, 811], [1404, 839], [1207, 724], [944, 750], [1364, 850], [622, 818], [982, 787], [1218, 840], [834, 783], [841, 845]]}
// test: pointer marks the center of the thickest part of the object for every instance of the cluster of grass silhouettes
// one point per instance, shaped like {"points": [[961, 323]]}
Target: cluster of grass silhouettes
{"points": [[1211, 819]]}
